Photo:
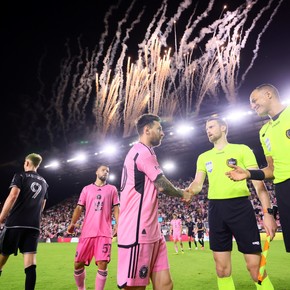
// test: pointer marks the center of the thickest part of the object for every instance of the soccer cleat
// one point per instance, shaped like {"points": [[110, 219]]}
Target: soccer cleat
{"points": [[196, 248], [202, 248]]}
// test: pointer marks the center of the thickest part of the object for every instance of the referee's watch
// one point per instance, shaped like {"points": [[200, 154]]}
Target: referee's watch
{"points": [[268, 210]]}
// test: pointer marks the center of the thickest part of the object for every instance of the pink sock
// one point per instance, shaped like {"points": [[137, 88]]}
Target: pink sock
{"points": [[101, 279], [80, 276]]}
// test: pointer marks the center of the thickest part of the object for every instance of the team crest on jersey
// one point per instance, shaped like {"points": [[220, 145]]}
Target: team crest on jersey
{"points": [[143, 272], [99, 196], [288, 133], [209, 166]]}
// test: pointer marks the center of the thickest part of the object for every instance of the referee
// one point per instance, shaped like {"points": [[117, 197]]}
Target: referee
{"points": [[230, 212], [275, 140]]}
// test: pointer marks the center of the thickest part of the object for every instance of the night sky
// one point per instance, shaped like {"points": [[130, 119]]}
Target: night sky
{"points": [[33, 37]]}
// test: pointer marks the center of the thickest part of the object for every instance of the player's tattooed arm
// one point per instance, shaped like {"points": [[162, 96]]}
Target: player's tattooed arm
{"points": [[165, 186]]}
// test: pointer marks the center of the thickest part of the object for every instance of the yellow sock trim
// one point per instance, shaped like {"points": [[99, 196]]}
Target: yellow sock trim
{"points": [[226, 283], [266, 284]]}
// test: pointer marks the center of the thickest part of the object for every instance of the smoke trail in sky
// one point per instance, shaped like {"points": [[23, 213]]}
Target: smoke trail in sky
{"points": [[175, 66], [105, 33], [259, 36]]}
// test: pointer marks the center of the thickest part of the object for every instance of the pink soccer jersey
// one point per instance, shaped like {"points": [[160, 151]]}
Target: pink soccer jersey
{"points": [[138, 218], [176, 227], [98, 201]]}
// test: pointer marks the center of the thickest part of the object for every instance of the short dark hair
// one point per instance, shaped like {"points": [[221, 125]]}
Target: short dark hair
{"points": [[102, 164], [220, 121], [144, 120]]}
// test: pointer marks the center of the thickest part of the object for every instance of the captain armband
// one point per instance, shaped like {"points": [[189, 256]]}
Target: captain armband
{"points": [[257, 174]]}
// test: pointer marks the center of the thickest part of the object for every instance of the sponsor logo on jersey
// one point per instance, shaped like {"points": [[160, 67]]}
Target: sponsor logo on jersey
{"points": [[143, 272]]}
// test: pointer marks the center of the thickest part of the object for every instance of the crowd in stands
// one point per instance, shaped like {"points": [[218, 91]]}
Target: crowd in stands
{"points": [[55, 220]]}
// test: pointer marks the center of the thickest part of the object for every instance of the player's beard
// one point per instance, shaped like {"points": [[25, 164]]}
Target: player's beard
{"points": [[156, 142], [214, 138], [103, 177]]}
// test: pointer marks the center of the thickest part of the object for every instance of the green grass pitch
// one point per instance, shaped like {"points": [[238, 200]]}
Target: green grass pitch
{"points": [[192, 270]]}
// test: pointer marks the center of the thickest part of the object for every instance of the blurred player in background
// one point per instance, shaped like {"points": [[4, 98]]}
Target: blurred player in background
{"points": [[176, 232], [191, 232], [200, 229]]}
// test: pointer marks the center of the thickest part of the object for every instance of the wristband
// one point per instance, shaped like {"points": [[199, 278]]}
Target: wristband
{"points": [[268, 210], [257, 174]]}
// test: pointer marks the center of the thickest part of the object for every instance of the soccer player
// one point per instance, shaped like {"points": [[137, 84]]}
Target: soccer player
{"points": [[200, 232], [230, 211], [176, 231], [142, 253], [22, 210], [190, 232], [275, 140], [98, 199]]}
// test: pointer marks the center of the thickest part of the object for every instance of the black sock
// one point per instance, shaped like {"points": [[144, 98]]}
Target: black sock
{"points": [[0, 272], [30, 280], [189, 243]]}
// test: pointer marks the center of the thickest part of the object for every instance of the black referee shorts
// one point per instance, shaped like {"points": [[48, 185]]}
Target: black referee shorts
{"points": [[24, 239], [230, 218]]}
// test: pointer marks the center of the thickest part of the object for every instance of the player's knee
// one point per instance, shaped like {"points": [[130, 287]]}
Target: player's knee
{"points": [[79, 266], [253, 269], [102, 265], [223, 270], [168, 285], [162, 280]]}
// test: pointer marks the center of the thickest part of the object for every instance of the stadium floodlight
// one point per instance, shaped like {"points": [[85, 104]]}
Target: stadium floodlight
{"points": [[168, 166], [237, 115], [184, 129], [79, 157], [54, 164], [108, 149], [112, 177]]}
